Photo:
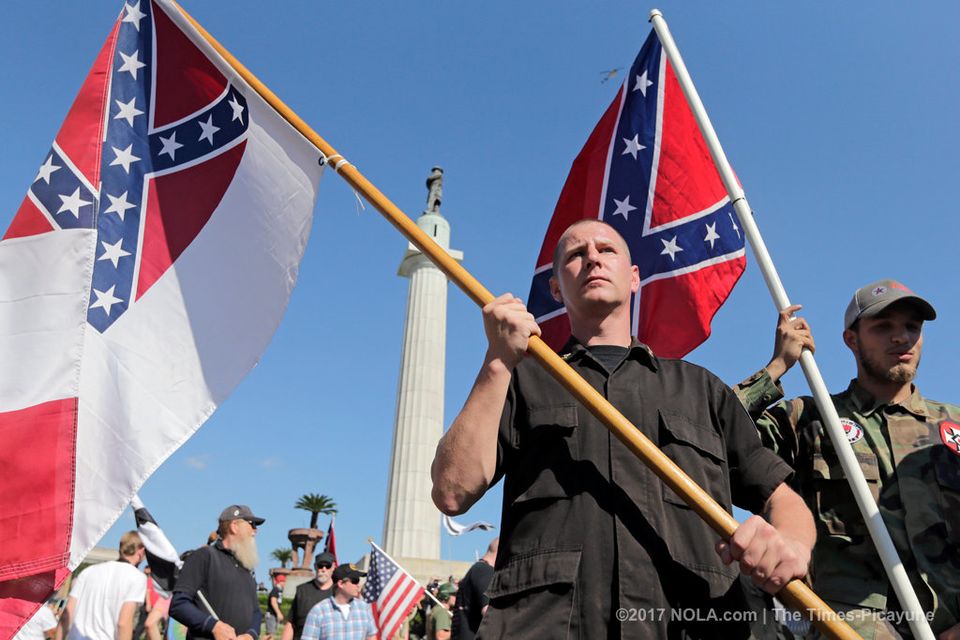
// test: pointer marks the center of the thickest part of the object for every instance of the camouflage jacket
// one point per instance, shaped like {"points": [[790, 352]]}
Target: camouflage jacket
{"points": [[910, 456]]}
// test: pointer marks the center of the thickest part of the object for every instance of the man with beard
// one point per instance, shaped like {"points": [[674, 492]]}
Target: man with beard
{"points": [[309, 594], [908, 448], [216, 594], [589, 533]]}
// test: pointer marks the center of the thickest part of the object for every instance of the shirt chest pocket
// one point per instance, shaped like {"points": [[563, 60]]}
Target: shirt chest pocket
{"points": [[551, 448], [697, 450], [836, 508]]}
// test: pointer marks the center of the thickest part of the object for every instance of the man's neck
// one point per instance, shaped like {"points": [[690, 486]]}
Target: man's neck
{"points": [[612, 330], [341, 598], [883, 391], [323, 585], [490, 560]]}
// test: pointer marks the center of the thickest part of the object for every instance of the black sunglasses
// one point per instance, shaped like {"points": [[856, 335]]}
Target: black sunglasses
{"points": [[324, 565], [354, 580]]}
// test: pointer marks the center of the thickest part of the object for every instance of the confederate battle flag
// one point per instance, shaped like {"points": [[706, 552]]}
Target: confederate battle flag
{"points": [[646, 171]]}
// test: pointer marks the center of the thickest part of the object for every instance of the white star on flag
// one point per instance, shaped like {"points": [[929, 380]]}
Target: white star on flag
{"points": [[237, 109], [119, 204], [113, 253], [624, 208], [73, 203], [124, 157], [105, 299], [642, 83], [131, 63], [712, 235], [633, 146], [46, 169], [208, 130], [134, 15], [128, 111], [670, 248], [170, 145]]}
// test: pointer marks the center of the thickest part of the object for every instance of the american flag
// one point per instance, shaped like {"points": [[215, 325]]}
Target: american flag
{"points": [[391, 591], [647, 172]]}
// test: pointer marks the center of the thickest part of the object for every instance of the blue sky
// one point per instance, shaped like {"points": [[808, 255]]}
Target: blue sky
{"points": [[839, 118]]}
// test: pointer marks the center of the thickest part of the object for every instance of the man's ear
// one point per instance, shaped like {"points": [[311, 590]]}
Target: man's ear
{"points": [[555, 290], [634, 278], [850, 339]]}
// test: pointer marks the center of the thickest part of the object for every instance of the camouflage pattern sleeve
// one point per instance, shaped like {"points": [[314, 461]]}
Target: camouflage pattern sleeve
{"points": [[758, 392], [776, 425]]}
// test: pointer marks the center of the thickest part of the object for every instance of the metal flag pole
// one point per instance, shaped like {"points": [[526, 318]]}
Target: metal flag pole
{"points": [[722, 522], [868, 507]]}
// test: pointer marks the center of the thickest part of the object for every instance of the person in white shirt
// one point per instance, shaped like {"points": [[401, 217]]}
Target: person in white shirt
{"points": [[105, 597], [41, 626]]}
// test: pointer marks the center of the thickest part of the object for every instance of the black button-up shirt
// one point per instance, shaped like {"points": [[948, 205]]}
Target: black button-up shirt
{"points": [[588, 529]]}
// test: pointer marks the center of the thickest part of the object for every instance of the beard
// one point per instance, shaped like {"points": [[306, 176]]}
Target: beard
{"points": [[899, 373], [245, 551]]}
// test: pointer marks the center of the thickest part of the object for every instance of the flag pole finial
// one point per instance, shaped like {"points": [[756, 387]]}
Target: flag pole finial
{"points": [[655, 13]]}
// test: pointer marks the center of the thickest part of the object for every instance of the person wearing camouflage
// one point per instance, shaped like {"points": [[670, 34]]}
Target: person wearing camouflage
{"points": [[909, 451]]}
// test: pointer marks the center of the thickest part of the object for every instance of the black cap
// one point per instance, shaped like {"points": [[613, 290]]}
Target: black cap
{"points": [[240, 512], [325, 557], [347, 572]]}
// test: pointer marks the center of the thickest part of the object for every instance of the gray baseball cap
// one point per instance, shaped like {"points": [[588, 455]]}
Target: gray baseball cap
{"points": [[870, 300], [240, 512]]}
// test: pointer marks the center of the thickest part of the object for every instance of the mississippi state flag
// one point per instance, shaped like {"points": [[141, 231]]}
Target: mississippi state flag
{"points": [[142, 277], [647, 171]]}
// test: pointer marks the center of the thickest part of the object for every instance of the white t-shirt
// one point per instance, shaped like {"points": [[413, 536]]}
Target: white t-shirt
{"points": [[101, 591], [35, 628]]}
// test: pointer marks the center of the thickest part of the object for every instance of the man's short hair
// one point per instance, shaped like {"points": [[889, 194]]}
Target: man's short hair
{"points": [[130, 543]]}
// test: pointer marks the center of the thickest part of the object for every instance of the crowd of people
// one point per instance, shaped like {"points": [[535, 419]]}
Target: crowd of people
{"points": [[215, 595]]}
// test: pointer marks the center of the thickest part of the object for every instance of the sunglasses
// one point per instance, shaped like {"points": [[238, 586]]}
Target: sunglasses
{"points": [[355, 580], [324, 565]]}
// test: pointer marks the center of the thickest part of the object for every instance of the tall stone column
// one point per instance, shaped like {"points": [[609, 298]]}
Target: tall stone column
{"points": [[412, 523]]}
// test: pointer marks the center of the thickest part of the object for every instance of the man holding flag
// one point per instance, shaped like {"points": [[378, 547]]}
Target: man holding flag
{"points": [[593, 544], [907, 446]]}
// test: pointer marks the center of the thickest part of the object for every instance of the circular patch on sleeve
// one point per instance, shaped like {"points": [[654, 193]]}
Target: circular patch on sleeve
{"points": [[852, 430], [950, 435]]}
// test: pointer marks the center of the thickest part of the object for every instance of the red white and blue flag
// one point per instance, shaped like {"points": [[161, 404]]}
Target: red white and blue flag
{"points": [[647, 171], [391, 592], [141, 279]]}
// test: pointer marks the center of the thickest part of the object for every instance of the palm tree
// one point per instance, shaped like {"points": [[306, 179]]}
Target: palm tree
{"points": [[283, 556], [316, 504]]}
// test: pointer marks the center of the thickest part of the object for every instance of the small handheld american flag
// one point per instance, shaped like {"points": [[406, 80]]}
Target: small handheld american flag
{"points": [[391, 591]]}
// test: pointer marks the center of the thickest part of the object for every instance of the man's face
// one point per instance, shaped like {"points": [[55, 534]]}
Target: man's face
{"points": [[594, 273], [350, 587], [888, 345], [324, 569]]}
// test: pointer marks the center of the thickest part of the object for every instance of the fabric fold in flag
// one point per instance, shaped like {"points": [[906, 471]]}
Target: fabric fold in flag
{"points": [[171, 192], [646, 171]]}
